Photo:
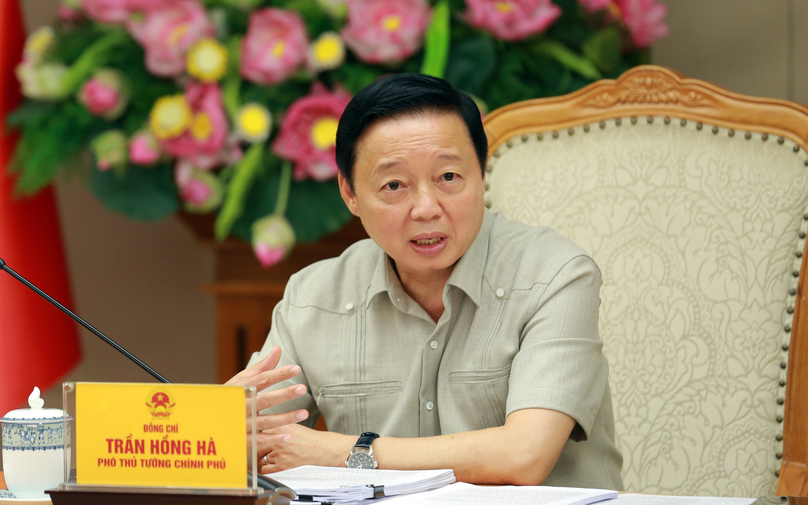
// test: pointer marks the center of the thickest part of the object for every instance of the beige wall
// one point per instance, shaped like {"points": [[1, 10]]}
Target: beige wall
{"points": [[755, 47], [140, 283]]}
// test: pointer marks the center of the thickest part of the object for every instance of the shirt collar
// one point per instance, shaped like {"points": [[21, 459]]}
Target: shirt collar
{"points": [[384, 279], [466, 276], [468, 273]]}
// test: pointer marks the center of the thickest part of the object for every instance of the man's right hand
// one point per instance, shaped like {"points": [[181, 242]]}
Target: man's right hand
{"points": [[263, 375]]}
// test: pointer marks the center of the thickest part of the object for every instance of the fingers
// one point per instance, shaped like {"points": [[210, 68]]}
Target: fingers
{"points": [[269, 399], [270, 421], [268, 363], [265, 379], [262, 379], [272, 359], [266, 441]]}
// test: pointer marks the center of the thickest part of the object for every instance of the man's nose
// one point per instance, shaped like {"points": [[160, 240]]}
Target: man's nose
{"points": [[426, 204]]}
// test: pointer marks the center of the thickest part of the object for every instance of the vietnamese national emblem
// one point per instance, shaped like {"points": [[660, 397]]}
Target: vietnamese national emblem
{"points": [[160, 404]]}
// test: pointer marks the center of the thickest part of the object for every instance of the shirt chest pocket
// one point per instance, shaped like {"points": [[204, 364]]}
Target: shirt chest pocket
{"points": [[478, 397], [354, 407]]}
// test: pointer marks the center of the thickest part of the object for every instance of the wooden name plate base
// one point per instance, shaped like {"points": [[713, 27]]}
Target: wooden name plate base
{"points": [[77, 495]]}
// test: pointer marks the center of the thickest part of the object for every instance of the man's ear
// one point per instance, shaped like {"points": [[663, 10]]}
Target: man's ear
{"points": [[347, 194]]}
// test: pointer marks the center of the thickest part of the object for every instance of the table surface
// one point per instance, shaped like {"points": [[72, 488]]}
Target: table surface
{"points": [[802, 500]]}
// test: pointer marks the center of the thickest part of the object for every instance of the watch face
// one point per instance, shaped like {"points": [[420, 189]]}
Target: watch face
{"points": [[361, 460]]}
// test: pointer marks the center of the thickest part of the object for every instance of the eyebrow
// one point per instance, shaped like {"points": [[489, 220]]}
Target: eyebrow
{"points": [[387, 165], [390, 164], [450, 156]]}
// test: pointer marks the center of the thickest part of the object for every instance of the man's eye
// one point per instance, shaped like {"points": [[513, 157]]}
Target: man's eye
{"points": [[449, 176], [393, 185]]}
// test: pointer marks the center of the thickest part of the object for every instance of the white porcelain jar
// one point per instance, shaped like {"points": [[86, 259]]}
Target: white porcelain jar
{"points": [[33, 449]]}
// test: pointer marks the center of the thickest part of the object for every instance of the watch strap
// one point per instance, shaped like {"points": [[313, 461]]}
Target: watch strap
{"points": [[365, 439]]}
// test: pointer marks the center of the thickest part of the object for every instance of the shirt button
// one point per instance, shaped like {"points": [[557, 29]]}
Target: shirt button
{"points": [[500, 293], [398, 300], [430, 406], [433, 344], [350, 306]]}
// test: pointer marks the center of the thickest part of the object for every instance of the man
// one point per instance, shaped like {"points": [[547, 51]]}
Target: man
{"points": [[463, 339]]}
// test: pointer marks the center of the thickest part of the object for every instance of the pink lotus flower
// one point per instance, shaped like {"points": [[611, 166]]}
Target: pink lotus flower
{"points": [[512, 19], [272, 239], [385, 31], [203, 142], [143, 148], [200, 191], [595, 5], [115, 11], [308, 133], [106, 94], [275, 46], [167, 31], [645, 20]]}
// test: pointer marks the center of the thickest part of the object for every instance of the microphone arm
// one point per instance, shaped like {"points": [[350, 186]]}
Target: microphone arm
{"points": [[281, 495], [84, 323]]}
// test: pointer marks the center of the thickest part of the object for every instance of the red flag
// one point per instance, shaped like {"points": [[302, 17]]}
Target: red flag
{"points": [[38, 343]]}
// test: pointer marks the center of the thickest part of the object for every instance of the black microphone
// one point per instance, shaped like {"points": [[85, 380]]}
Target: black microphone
{"points": [[282, 493]]}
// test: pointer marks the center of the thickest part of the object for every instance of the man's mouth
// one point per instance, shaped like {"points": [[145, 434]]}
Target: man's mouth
{"points": [[428, 241]]}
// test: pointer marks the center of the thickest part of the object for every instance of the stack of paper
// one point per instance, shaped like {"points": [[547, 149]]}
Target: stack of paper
{"points": [[468, 494], [345, 485]]}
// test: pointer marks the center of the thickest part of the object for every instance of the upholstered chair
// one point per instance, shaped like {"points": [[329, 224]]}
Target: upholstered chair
{"points": [[694, 203]]}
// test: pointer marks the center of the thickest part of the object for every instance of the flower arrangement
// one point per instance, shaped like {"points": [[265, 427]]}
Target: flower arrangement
{"points": [[231, 106]]}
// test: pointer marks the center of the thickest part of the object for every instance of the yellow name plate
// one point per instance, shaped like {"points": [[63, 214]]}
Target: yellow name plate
{"points": [[166, 435]]}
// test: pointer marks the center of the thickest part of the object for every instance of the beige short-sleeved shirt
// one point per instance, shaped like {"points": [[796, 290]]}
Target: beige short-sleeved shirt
{"points": [[519, 330]]}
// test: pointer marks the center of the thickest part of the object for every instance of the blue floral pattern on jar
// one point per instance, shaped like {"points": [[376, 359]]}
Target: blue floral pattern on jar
{"points": [[33, 436]]}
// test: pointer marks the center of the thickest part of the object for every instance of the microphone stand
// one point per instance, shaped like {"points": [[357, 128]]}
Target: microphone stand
{"points": [[281, 491]]}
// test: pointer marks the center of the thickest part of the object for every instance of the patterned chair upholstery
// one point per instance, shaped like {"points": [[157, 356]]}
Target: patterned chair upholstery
{"points": [[694, 203]]}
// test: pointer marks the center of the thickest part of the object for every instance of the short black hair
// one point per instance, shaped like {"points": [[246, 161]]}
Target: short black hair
{"points": [[400, 95]]}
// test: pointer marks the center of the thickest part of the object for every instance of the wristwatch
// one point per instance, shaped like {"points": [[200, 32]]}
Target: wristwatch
{"points": [[362, 453]]}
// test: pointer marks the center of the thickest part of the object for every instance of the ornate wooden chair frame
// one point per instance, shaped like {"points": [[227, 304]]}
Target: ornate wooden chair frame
{"points": [[648, 91]]}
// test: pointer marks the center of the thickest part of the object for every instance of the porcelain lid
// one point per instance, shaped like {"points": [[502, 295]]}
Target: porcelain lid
{"points": [[35, 414]]}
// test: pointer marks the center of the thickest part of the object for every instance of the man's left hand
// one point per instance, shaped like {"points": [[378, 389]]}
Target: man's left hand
{"points": [[306, 447]]}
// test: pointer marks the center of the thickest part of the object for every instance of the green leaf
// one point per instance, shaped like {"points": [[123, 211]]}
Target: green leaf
{"points": [[231, 86], [277, 98], [72, 41], [315, 209], [51, 135], [571, 60], [644, 56], [471, 64], [573, 27], [316, 18], [436, 49], [521, 75], [603, 48], [145, 194], [92, 58], [30, 110], [233, 206], [354, 75]]}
